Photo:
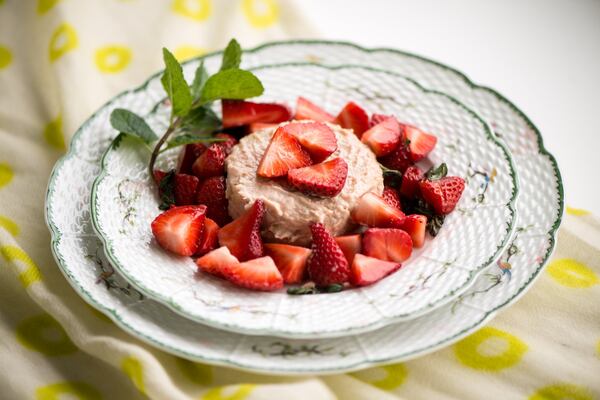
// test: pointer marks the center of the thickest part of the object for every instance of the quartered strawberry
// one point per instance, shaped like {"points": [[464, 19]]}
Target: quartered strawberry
{"points": [[399, 159], [410, 181], [179, 228], [189, 154], [353, 117], [283, 153], [368, 270], [242, 236], [218, 262], [421, 143], [326, 264], [208, 239], [211, 193], [159, 175], [326, 179], [290, 260], [350, 245], [308, 110], [259, 126], [210, 163], [185, 189], [239, 112], [372, 210], [383, 138], [415, 225], [387, 244], [377, 118], [257, 274], [443, 194], [229, 142], [390, 195], [317, 138]]}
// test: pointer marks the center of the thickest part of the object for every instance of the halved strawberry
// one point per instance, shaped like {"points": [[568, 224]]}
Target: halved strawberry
{"points": [[443, 194], [208, 239], [210, 163], [377, 118], [368, 270], [159, 175], [399, 159], [188, 155], [185, 189], [316, 138], [259, 126], [410, 181], [415, 225], [353, 117], [283, 153], [387, 244], [229, 142], [326, 264], [326, 179], [179, 228], [305, 109], [290, 260], [257, 274], [384, 137], [390, 195], [239, 112], [421, 143], [211, 193], [242, 236], [217, 262], [350, 245], [372, 210]]}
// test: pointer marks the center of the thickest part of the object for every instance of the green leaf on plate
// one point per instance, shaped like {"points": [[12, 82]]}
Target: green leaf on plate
{"points": [[189, 139], [175, 85], [435, 174], [200, 78], [130, 123], [235, 84], [200, 120], [166, 188], [232, 56]]}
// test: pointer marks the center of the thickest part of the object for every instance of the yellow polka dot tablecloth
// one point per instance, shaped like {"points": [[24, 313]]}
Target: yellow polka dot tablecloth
{"points": [[59, 61]]}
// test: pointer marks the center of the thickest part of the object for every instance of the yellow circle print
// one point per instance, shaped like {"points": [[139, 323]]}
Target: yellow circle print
{"points": [[577, 211], [53, 133], [76, 390], [5, 57], [562, 391], [183, 53], [10, 225], [261, 13], [63, 40], [6, 174], [43, 6], [111, 59], [134, 370], [490, 349], [572, 273], [42, 333], [394, 375], [198, 10]]}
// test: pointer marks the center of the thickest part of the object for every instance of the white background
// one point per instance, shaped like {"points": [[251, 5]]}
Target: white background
{"points": [[543, 55]]}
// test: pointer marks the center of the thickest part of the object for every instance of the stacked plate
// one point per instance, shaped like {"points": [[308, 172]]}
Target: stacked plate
{"points": [[100, 203]]}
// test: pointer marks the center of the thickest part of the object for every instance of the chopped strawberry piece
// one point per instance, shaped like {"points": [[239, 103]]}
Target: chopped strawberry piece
{"points": [[372, 210], [242, 236], [443, 194], [384, 137], [259, 126], [185, 189], [326, 264], [210, 163], [239, 112], [159, 175], [229, 142], [399, 159], [377, 118], [211, 193], [257, 274], [421, 143], [308, 110], [316, 138], [368, 270], [290, 260], [390, 195], [353, 117], [208, 239], [415, 225], [283, 153], [179, 228], [326, 179], [218, 262], [189, 154], [387, 244], [350, 245], [410, 181]]}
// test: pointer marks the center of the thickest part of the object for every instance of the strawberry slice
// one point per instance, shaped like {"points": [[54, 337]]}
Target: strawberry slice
{"points": [[239, 112], [283, 153], [179, 228], [399, 159], [421, 143], [185, 189], [410, 181], [229, 142], [158, 175], [326, 264], [353, 117], [208, 239], [188, 155], [415, 225], [290, 260], [384, 137], [368, 270], [390, 195], [387, 244], [350, 245], [210, 163], [443, 194], [372, 210], [316, 138], [258, 274], [218, 262], [212, 194], [326, 179], [308, 110], [242, 236], [378, 118], [259, 126]]}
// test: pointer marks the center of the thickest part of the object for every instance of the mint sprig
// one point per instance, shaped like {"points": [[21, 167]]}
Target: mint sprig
{"points": [[175, 85], [232, 83], [232, 56], [130, 123]]}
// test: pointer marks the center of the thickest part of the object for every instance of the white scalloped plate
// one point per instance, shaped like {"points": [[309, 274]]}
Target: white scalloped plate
{"points": [[79, 253]]}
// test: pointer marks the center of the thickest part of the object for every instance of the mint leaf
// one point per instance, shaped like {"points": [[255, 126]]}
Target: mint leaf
{"points": [[130, 123], [200, 120], [175, 85], [232, 56], [200, 78], [235, 84], [437, 173], [166, 189], [189, 139]]}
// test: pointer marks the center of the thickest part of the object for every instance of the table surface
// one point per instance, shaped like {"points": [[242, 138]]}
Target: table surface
{"points": [[542, 55]]}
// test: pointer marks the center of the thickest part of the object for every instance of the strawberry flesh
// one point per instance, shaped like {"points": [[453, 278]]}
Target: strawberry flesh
{"points": [[383, 138], [189, 154], [212, 193], [208, 239], [326, 264], [421, 143], [411, 178], [239, 112], [229, 142], [377, 118], [326, 179], [290, 260], [415, 225], [185, 189], [179, 228], [350, 245], [283, 153], [368, 270], [387, 244], [372, 210], [308, 110], [399, 159], [317, 138], [353, 117], [259, 126], [443, 194], [217, 262], [242, 236], [257, 274], [390, 195], [210, 163]]}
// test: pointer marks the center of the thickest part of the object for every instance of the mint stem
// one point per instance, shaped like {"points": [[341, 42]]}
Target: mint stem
{"points": [[174, 125]]}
